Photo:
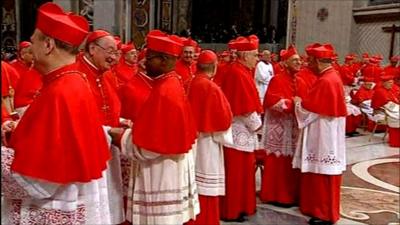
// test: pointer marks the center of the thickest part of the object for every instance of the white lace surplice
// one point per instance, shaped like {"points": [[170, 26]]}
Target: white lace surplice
{"points": [[30, 201], [244, 132], [321, 147]]}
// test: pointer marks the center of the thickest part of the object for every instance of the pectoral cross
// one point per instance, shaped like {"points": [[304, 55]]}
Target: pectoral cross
{"points": [[393, 30]]}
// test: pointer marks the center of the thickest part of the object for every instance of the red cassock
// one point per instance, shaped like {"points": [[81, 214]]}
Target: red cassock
{"points": [[133, 94], [125, 71], [9, 78], [59, 139], [212, 113], [319, 193], [104, 92], [240, 90], [280, 182], [28, 88], [320, 196], [165, 124], [184, 70], [308, 76]]}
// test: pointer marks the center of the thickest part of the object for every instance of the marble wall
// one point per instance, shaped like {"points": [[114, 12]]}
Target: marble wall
{"points": [[335, 27]]}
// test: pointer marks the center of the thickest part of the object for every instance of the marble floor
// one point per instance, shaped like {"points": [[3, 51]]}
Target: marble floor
{"points": [[370, 188]]}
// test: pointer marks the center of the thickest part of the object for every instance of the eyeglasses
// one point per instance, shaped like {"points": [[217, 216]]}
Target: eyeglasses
{"points": [[108, 51]]}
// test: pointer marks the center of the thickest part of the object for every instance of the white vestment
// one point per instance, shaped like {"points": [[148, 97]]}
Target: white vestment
{"points": [[321, 147], [263, 75], [162, 188], [244, 134], [210, 170], [392, 111], [27, 200]]}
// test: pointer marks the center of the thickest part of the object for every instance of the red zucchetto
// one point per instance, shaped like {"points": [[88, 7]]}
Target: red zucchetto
{"points": [[96, 35], [207, 57]]}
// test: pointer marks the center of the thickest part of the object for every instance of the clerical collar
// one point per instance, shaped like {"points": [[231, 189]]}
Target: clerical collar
{"points": [[90, 63], [327, 68]]}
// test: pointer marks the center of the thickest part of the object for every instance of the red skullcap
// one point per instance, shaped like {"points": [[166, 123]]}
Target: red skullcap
{"points": [[67, 27], [24, 44], [207, 57], [96, 35], [127, 47]]}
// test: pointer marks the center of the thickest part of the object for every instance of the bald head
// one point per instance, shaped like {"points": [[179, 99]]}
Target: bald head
{"points": [[266, 56]]}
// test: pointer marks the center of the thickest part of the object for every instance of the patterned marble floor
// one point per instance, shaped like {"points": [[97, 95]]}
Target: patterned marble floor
{"points": [[370, 188]]}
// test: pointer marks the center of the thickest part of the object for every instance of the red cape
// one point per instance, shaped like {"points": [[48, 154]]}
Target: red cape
{"points": [[308, 76], [27, 88], [185, 71], [382, 96], [240, 90], [59, 139], [133, 95], [124, 71], [284, 86], [347, 74], [165, 124], [221, 70], [9, 77], [326, 97], [106, 96], [210, 107], [362, 95]]}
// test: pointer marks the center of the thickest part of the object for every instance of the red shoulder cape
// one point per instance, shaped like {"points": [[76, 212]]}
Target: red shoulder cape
{"points": [[284, 86], [27, 88], [59, 139], [165, 124], [326, 97], [361, 95], [240, 90], [382, 96], [133, 95], [210, 107]]}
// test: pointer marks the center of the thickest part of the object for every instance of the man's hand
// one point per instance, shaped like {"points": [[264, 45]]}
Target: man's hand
{"points": [[116, 135], [297, 100], [8, 126]]}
